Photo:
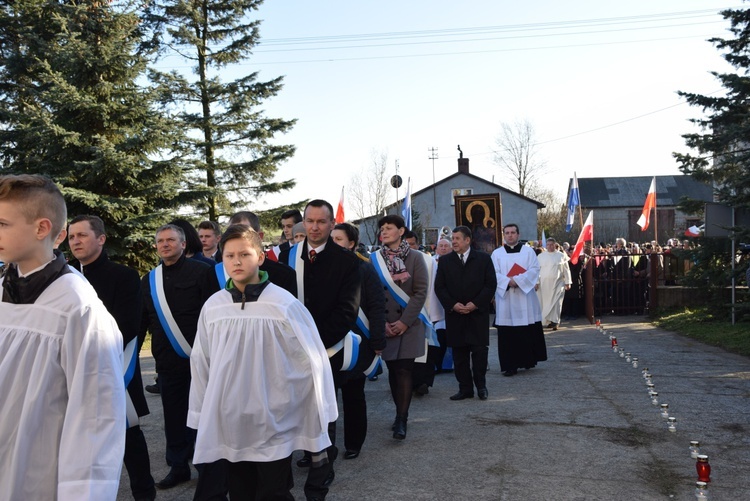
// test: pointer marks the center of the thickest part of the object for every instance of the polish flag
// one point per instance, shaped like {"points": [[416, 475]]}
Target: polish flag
{"points": [[693, 231], [340, 210], [587, 234], [650, 204]]}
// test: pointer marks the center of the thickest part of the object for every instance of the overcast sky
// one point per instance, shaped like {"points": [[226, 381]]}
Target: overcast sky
{"points": [[598, 80]]}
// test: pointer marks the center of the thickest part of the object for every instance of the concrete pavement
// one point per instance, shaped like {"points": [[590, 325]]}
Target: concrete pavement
{"points": [[577, 427]]}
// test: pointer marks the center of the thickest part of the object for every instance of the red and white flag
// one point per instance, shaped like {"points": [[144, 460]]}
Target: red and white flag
{"points": [[650, 204], [340, 209], [587, 234], [693, 231]]}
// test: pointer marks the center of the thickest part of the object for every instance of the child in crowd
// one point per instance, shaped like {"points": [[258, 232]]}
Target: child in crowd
{"points": [[261, 382], [61, 378]]}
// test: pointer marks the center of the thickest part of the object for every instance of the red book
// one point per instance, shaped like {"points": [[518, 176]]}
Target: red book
{"points": [[516, 269]]}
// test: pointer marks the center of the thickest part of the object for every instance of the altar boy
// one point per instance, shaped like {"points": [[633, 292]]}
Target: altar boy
{"points": [[261, 382], [62, 420]]}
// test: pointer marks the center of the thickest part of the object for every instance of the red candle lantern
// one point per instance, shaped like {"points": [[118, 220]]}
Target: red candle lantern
{"points": [[703, 468]]}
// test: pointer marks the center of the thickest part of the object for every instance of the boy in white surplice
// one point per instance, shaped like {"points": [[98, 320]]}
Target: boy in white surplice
{"points": [[261, 382], [62, 420]]}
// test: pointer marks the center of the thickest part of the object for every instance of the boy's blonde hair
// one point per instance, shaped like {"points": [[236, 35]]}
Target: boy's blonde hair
{"points": [[37, 197], [245, 233]]}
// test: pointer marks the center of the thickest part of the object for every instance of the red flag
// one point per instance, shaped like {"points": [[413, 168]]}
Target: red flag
{"points": [[650, 204], [587, 234], [340, 210]]}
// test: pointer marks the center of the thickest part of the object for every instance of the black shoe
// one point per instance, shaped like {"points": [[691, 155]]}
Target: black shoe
{"points": [[510, 372], [422, 389], [373, 378], [329, 479], [461, 396], [153, 388], [395, 422], [174, 478], [305, 461], [483, 393], [351, 454], [399, 430], [550, 325]]}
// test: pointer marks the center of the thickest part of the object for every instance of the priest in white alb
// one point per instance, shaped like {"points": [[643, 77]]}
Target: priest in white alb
{"points": [[554, 280], [518, 318]]}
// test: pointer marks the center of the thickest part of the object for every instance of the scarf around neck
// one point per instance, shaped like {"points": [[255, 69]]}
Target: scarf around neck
{"points": [[395, 261]]}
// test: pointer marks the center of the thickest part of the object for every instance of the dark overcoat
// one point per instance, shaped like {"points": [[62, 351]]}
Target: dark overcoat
{"points": [[472, 282]]}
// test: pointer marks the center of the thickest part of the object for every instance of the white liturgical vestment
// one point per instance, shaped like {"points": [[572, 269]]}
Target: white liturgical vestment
{"points": [[261, 381]]}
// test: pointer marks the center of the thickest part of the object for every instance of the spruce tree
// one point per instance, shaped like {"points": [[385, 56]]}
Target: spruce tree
{"points": [[722, 159], [72, 109], [722, 148], [228, 141]]}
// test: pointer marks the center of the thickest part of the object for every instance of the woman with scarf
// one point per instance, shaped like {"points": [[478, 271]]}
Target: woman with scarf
{"points": [[405, 278]]}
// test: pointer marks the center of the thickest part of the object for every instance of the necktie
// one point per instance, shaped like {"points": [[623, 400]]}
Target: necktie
{"points": [[461, 256], [312, 255]]}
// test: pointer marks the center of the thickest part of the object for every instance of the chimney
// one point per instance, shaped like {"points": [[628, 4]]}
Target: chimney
{"points": [[463, 165]]}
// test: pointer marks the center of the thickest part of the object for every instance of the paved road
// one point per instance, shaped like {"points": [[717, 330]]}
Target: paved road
{"points": [[578, 427]]}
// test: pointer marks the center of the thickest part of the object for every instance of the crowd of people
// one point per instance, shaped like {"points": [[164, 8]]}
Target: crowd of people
{"points": [[251, 345]]}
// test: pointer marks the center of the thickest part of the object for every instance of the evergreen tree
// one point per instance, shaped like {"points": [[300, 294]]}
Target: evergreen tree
{"points": [[227, 140], [722, 155], [71, 109]]}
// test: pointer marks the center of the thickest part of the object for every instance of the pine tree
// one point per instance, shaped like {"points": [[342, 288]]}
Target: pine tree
{"points": [[229, 152], [722, 155], [72, 109]]}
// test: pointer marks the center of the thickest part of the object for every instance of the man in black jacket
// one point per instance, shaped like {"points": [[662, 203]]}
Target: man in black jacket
{"points": [[119, 288], [331, 280], [173, 295], [465, 284]]}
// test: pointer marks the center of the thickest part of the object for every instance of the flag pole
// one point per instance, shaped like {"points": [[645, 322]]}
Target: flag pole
{"points": [[656, 216]]}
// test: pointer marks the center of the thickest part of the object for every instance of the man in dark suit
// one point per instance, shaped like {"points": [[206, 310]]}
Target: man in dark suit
{"points": [[331, 281], [465, 284], [170, 312], [119, 288]]}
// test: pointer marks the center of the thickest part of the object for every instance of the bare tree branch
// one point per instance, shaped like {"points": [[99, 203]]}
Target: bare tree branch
{"points": [[517, 155]]}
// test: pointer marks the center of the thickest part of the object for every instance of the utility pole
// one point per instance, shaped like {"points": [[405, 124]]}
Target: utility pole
{"points": [[433, 156]]}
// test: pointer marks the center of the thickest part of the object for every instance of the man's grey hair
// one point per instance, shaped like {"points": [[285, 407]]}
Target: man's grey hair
{"points": [[174, 227]]}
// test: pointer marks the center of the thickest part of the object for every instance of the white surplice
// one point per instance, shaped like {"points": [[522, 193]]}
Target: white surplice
{"points": [[554, 275], [261, 381], [62, 418], [516, 306]]}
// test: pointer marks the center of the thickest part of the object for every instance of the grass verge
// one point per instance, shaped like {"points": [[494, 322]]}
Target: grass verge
{"points": [[703, 325]]}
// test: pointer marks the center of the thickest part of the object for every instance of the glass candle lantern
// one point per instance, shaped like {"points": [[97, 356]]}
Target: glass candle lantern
{"points": [[628, 358], [664, 410], [649, 387], [694, 449], [598, 322], [703, 468], [645, 373], [672, 424], [701, 491], [621, 352], [635, 362], [655, 398], [613, 340]]}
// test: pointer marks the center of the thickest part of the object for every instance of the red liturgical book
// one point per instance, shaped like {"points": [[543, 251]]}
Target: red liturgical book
{"points": [[516, 270]]}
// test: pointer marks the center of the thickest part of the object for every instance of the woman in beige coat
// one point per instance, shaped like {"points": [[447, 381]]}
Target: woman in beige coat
{"points": [[403, 271]]}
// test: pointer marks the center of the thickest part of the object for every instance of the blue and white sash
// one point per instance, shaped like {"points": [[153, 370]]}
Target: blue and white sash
{"points": [[129, 356], [350, 346], [298, 265], [364, 325], [402, 298], [221, 275], [167, 321]]}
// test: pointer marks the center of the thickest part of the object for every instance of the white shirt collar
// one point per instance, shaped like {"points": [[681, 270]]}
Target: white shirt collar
{"points": [[24, 275]]}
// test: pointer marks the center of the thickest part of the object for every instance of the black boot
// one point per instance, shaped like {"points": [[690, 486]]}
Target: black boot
{"points": [[399, 428]]}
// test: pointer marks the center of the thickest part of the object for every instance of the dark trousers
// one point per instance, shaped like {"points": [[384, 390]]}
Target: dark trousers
{"points": [[443, 340], [355, 413], [212, 481], [470, 364], [253, 481], [316, 476], [175, 391], [138, 464]]}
